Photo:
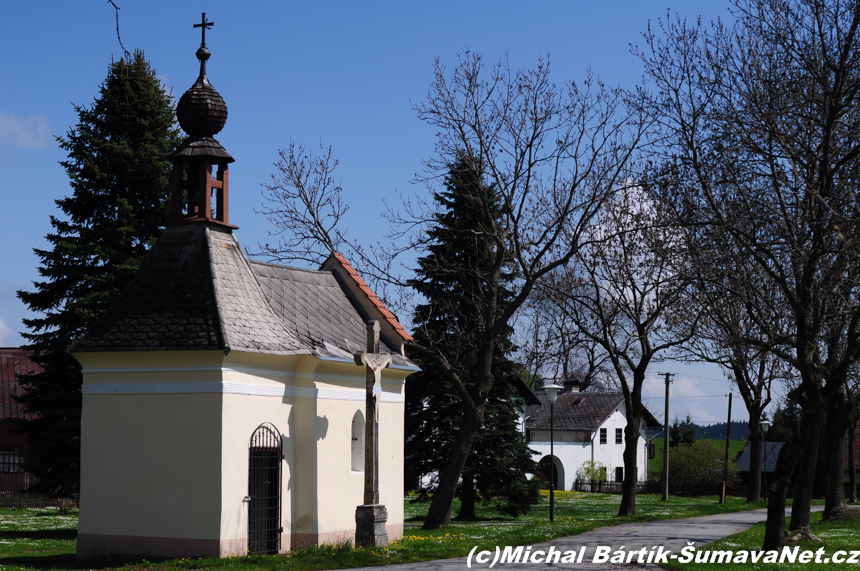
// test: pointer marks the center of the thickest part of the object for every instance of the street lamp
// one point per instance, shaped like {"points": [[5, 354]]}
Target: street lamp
{"points": [[551, 396], [765, 424]]}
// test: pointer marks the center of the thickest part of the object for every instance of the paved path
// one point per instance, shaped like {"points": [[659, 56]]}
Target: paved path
{"points": [[671, 535]]}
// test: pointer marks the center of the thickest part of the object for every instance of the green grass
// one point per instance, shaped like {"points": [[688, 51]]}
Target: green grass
{"points": [[42, 539], [842, 535]]}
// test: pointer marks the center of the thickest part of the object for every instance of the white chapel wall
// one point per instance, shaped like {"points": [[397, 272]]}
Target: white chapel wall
{"points": [[150, 460]]}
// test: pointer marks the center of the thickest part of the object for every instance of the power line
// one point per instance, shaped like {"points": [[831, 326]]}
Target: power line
{"points": [[699, 397]]}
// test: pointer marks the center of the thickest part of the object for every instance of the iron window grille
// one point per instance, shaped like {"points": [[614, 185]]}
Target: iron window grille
{"points": [[264, 491]]}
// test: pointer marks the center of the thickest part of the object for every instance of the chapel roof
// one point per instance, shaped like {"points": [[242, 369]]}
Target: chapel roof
{"points": [[320, 310], [13, 362], [577, 411], [196, 290]]}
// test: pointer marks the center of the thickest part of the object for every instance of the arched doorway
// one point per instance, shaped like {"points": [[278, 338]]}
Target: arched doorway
{"points": [[264, 490], [545, 468]]}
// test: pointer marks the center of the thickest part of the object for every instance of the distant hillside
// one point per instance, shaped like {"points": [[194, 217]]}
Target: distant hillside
{"points": [[740, 431]]}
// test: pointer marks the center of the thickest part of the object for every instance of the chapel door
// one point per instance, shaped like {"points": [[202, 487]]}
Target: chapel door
{"points": [[264, 491]]}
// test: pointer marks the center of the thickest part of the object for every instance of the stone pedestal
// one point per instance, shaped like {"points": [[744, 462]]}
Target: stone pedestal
{"points": [[370, 526]]}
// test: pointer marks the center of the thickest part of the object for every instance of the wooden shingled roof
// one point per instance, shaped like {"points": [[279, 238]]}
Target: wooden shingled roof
{"points": [[13, 362], [196, 290]]}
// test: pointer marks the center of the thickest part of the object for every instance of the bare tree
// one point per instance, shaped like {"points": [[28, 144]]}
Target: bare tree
{"points": [[552, 157], [721, 287], [552, 348], [620, 292], [761, 126], [305, 204]]}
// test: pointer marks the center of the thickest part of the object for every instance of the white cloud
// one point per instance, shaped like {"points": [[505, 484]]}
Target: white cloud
{"points": [[7, 335], [31, 132]]}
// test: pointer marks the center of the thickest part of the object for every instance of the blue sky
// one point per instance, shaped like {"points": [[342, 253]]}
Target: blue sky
{"points": [[344, 73]]}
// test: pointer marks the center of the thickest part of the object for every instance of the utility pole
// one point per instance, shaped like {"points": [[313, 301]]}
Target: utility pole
{"points": [[666, 439], [726, 461]]}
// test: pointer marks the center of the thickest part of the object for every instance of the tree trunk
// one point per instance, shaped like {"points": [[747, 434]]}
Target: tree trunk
{"points": [[754, 481], [775, 534], [852, 469], [439, 514], [838, 413], [799, 445], [805, 480], [628, 489], [467, 497]]}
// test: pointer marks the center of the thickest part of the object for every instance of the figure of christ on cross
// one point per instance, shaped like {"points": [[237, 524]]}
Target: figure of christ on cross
{"points": [[370, 518]]}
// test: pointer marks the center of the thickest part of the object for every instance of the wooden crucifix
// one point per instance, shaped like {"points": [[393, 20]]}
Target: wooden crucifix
{"points": [[370, 518]]}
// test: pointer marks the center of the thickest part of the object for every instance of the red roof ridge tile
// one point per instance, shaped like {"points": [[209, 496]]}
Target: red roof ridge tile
{"points": [[371, 296]]}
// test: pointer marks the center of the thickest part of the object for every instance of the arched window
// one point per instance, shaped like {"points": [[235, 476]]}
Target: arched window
{"points": [[358, 442]]}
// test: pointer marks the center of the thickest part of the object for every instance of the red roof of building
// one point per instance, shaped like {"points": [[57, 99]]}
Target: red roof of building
{"points": [[14, 362], [389, 317]]}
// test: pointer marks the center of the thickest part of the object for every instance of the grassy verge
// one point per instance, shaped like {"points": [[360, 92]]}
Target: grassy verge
{"points": [[842, 535], [41, 539]]}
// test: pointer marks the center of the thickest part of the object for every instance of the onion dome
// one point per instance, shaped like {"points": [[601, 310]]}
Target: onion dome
{"points": [[201, 110], [199, 192], [202, 113]]}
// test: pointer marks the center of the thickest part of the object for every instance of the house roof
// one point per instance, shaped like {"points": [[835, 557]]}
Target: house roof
{"points": [[14, 362], [577, 411], [196, 290], [337, 262], [770, 452]]}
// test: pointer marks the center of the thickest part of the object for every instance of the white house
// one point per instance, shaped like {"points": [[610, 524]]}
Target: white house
{"points": [[586, 427], [223, 411]]}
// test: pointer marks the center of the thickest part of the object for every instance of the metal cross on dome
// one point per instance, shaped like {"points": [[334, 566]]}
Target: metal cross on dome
{"points": [[204, 24]]}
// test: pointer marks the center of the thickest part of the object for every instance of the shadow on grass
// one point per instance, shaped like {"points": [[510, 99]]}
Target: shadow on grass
{"points": [[68, 534], [63, 561]]}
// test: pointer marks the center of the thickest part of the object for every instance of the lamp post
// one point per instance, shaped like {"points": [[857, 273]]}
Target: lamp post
{"points": [[765, 424], [551, 396]]}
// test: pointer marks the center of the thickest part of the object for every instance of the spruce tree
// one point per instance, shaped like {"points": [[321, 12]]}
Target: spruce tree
{"points": [[119, 171], [452, 278]]}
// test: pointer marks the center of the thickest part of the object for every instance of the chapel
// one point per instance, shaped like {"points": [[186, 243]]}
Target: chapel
{"points": [[223, 410]]}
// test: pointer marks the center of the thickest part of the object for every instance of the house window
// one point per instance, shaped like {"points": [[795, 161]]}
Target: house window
{"points": [[11, 460], [603, 436], [619, 439], [619, 474], [357, 436]]}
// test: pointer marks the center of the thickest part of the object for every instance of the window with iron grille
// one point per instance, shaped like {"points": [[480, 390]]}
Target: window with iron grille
{"points": [[11, 459], [603, 436], [619, 438]]}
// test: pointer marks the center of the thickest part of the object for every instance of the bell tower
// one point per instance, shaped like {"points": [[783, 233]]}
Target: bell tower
{"points": [[199, 183]]}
